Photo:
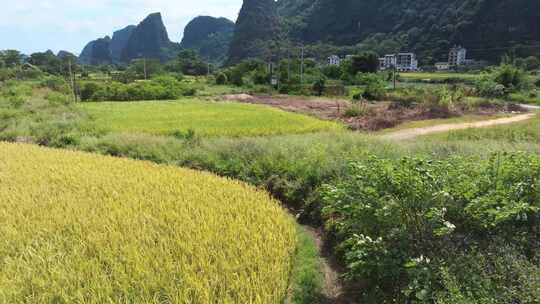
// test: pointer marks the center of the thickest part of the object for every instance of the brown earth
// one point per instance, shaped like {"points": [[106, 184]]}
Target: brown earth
{"points": [[324, 108], [362, 116]]}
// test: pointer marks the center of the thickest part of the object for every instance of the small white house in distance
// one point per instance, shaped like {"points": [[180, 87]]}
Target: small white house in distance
{"points": [[382, 65], [334, 60], [406, 62], [457, 56], [442, 66], [387, 62]]}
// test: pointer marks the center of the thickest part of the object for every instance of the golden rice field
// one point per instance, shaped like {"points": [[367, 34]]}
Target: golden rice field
{"points": [[83, 228]]}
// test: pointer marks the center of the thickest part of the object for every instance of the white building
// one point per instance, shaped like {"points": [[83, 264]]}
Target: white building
{"points": [[402, 62], [387, 62], [442, 66], [406, 62], [382, 65], [457, 56], [334, 60]]}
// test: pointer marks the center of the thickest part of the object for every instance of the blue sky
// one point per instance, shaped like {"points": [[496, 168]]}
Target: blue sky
{"points": [[36, 25]]}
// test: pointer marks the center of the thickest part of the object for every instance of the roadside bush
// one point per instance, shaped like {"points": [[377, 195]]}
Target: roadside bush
{"points": [[125, 77], [375, 86], [398, 224], [356, 110], [58, 98], [332, 71], [54, 83], [20, 74], [337, 89], [221, 78], [487, 87], [87, 90], [236, 77], [7, 74], [189, 91], [510, 77], [319, 85], [159, 88], [261, 77]]}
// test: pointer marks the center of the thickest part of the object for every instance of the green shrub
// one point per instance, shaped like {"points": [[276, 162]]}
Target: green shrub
{"points": [[397, 223], [189, 91], [261, 77], [159, 88], [510, 77], [221, 78], [319, 85], [356, 110], [87, 90], [375, 85], [58, 98], [487, 87], [54, 83], [332, 71], [236, 77]]}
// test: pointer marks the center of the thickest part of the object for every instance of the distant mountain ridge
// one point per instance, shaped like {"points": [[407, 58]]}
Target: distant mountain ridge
{"points": [[257, 24], [97, 52], [149, 39], [119, 41], [210, 36]]}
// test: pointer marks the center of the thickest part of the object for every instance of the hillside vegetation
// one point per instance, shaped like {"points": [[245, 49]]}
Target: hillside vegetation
{"points": [[488, 28], [91, 229], [209, 36]]}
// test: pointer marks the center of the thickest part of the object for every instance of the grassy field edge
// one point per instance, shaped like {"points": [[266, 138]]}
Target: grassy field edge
{"points": [[306, 276]]}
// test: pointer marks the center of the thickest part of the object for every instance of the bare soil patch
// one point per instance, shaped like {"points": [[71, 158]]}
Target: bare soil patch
{"points": [[369, 116], [324, 108]]}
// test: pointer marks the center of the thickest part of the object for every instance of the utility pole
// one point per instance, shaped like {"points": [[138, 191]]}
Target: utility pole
{"points": [[72, 81], [144, 66], [395, 70], [302, 67], [288, 62]]}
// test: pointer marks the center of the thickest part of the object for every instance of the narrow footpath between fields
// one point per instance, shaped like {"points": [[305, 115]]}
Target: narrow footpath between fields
{"points": [[415, 132]]}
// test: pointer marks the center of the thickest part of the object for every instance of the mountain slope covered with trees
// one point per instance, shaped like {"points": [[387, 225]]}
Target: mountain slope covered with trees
{"points": [[209, 36], [257, 24], [488, 28]]}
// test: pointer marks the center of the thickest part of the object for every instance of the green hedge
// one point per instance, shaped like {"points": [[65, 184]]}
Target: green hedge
{"points": [[160, 88]]}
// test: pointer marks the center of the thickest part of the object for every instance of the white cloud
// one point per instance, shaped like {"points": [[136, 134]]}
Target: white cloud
{"points": [[35, 25]]}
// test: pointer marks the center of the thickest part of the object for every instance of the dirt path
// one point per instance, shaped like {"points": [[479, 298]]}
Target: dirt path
{"points": [[335, 290], [415, 132], [332, 288]]}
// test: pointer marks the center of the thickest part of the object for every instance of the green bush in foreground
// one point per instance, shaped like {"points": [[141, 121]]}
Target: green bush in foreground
{"points": [[421, 231]]}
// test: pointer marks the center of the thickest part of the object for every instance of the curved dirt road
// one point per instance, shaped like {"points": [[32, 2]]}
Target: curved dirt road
{"points": [[415, 132]]}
